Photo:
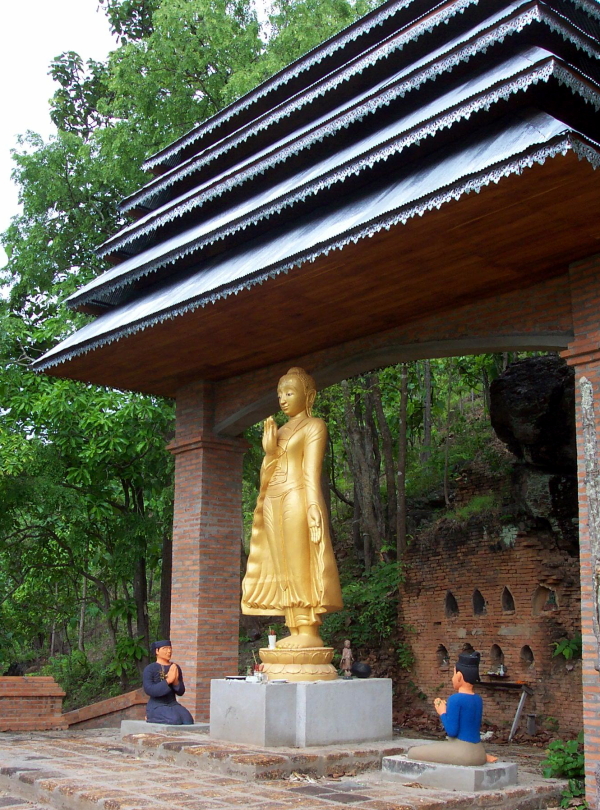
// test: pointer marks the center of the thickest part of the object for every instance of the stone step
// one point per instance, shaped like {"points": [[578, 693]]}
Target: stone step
{"points": [[255, 762], [143, 727]]}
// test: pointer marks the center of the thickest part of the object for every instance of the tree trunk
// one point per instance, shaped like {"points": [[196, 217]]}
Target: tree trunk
{"points": [[140, 592], [106, 605], [140, 587], [81, 634], [128, 619], [165, 585], [361, 474], [356, 535], [388, 458], [447, 441], [446, 489], [332, 485], [427, 389], [485, 381], [373, 458], [367, 551], [53, 631], [402, 446]]}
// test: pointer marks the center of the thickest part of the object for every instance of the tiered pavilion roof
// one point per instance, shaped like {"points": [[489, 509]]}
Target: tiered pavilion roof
{"points": [[428, 155]]}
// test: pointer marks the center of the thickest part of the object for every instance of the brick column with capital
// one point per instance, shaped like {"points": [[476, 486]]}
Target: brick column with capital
{"points": [[207, 532], [584, 354]]}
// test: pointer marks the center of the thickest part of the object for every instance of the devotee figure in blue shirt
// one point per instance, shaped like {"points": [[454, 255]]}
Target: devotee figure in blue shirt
{"points": [[461, 716], [162, 682]]}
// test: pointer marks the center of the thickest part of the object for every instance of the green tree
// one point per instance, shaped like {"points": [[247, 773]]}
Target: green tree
{"points": [[85, 483], [85, 480]]}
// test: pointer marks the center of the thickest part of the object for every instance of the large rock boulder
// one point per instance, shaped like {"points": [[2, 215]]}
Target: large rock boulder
{"points": [[532, 409]]}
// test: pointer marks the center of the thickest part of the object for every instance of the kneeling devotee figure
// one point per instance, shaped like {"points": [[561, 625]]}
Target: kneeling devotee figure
{"points": [[461, 716], [291, 567], [162, 681]]}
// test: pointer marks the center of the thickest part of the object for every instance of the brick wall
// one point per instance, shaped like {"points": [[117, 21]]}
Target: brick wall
{"points": [[484, 556], [30, 704]]}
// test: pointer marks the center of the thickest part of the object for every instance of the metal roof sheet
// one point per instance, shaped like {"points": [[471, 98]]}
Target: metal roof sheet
{"points": [[508, 147], [317, 54], [428, 67], [169, 155], [506, 22], [331, 84]]}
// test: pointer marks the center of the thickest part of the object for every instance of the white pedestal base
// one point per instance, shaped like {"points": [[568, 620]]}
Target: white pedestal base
{"points": [[298, 715], [492, 776]]}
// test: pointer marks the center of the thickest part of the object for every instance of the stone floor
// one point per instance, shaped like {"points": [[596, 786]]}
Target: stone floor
{"points": [[95, 770], [15, 803]]}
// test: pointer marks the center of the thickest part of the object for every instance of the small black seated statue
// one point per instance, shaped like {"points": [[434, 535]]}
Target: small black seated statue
{"points": [[360, 670], [162, 681]]}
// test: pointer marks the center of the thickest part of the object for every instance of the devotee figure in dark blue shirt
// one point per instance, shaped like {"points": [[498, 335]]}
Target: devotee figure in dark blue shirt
{"points": [[461, 716], [162, 681]]}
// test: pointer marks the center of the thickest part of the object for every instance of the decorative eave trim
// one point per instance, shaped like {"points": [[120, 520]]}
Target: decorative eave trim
{"points": [[339, 40], [497, 32], [560, 145], [313, 57], [522, 81], [331, 82]]}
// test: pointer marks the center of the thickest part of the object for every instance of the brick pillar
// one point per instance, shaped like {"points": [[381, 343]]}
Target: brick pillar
{"points": [[584, 355], [207, 531]]}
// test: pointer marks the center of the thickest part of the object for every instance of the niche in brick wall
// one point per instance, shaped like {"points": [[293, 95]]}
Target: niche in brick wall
{"points": [[508, 602], [496, 658], [443, 658], [451, 605], [526, 656], [478, 603], [543, 600]]}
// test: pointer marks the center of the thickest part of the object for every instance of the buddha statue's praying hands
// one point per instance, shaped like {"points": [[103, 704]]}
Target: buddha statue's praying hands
{"points": [[291, 567]]}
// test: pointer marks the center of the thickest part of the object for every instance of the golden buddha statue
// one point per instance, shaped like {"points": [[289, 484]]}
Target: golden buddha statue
{"points": [[291, 568]]}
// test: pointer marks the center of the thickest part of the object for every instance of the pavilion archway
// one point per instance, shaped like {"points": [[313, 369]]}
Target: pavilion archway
{"points": [[556, 315]]}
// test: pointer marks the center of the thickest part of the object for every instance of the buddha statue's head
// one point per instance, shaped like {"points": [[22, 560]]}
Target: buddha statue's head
{"points": [[303, 385]]}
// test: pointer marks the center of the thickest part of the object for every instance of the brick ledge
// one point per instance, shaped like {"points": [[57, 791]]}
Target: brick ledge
{"points": [[104, 707]]}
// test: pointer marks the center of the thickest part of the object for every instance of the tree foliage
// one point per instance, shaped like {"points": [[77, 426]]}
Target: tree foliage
{"points": [[85, 480]]}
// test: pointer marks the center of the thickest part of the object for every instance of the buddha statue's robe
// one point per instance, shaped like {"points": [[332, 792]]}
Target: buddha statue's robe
{"points": [[288, 574]]}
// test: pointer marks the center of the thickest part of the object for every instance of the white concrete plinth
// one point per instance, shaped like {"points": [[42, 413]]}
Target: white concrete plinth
{"points": [[300, 714], [493, 776]]}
